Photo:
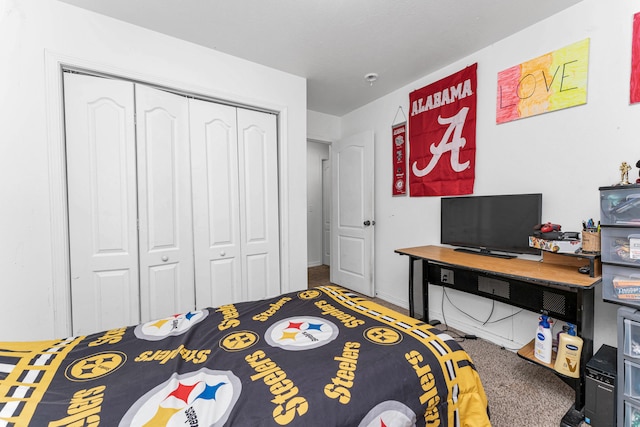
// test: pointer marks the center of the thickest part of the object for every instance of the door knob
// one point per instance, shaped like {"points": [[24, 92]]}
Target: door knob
{"points": [[165, 258], [223, 253]]}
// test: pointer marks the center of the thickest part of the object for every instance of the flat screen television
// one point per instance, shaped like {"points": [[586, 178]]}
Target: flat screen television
{"points": [[497, 225]]}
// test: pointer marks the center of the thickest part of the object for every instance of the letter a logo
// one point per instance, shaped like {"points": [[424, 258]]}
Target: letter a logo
{"points": [[457, 142]]}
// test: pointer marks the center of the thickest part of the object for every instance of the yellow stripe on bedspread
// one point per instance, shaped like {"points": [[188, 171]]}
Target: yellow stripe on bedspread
{"points": [[463, 382], [26, 371]]}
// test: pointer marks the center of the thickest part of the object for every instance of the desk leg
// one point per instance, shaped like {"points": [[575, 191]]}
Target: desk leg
{"points": [[584, 329], [425, 291], [411, 310]]}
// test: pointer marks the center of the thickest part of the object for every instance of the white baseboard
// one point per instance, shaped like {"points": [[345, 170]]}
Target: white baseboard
{"points": [[479, 332], [393, 300]]}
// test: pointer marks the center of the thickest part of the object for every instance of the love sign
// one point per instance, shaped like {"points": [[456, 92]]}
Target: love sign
{"points": [[550, 82]]}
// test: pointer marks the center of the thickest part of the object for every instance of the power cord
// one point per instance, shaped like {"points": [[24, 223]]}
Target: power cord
{"points": [[457, 337], [485, 322]]}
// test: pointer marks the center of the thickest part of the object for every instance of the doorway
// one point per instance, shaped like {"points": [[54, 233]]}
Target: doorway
{"points": [[318, 204]]}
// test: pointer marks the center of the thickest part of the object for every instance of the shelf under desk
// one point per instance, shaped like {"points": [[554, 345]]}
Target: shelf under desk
{"points": [[551, 285]]}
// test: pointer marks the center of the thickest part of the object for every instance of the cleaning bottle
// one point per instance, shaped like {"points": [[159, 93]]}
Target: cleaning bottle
{"points": [[544, 340], [569, 349]]}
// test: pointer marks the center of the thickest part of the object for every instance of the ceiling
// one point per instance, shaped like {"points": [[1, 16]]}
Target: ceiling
{"points": [[335, 43]]}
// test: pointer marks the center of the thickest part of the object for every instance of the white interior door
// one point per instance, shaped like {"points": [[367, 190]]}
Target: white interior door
{"points": [[101, 175], [214, 154], [352, 237], [258, 190], [164, 204]]}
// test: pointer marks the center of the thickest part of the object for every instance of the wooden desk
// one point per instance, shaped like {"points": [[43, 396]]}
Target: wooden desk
{"points": [[553, 285]]}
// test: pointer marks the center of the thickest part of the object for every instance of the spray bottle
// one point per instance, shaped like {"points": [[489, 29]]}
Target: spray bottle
{"points": [[569, 349], [544, 340]]}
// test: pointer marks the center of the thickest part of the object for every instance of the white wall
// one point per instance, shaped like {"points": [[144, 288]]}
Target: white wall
{"points": [[316, 153], [37, 35], [566, 155], [323, 127]]}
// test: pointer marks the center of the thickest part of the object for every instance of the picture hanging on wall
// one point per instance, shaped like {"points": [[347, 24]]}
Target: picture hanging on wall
{"points": [[547, 83], [442, 136], [635, 61]]}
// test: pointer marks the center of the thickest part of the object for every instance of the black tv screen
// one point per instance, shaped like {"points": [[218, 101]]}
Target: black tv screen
{"points": [[491, 223]]}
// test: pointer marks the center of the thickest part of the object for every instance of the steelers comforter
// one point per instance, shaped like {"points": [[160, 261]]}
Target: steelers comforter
{"points": [[321, 357]]}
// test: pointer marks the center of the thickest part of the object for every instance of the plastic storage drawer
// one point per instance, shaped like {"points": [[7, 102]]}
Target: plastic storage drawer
{"points": [[632, 339], [632, 415], [620, 205], [621, 245], [621, 284], [631, 379]]}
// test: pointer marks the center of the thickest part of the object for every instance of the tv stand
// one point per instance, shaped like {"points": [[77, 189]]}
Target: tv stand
{"points": [[553, 285], [484, 252]]}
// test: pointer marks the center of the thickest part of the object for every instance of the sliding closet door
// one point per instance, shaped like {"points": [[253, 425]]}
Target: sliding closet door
{"points": [[164, 203], [172, 203], [216, 218], [101, 174], [235, 199], [258, 172]]}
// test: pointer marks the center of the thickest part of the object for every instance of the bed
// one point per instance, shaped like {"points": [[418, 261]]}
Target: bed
{"points": [[320, 357]]}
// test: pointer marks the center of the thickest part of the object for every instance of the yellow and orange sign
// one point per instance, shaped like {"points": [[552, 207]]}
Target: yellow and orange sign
{"points": [[550, 82]]}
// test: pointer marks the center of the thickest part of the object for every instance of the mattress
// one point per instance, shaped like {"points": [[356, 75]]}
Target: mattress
{"points": [[319, 357]]}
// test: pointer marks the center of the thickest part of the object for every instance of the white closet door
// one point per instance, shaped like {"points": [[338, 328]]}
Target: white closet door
{"points": [[101, 174], [258, 172], [164, 203], [214, 169]]}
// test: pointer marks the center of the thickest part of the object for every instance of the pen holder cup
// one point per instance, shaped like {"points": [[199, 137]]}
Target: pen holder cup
{"points": [[591, 241]]}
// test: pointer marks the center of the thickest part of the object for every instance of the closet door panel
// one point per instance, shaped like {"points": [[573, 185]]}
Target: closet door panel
{"points": [[164, 203], [215, 202], [101, 183], [258, 172]]}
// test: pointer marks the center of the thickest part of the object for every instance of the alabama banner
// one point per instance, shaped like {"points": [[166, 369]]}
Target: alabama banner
{"points": [[635, 61], [442, 136], [399, 132]]}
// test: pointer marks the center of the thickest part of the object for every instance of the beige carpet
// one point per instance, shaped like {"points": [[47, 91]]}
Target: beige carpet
{"points": [[520, 393]]}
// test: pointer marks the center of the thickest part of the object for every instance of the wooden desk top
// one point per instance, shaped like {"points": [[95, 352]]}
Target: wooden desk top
{"points": [[546, 273]]}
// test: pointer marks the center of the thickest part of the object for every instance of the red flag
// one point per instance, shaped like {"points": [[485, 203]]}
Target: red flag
{"points": [[442, 136], [635, 61]]}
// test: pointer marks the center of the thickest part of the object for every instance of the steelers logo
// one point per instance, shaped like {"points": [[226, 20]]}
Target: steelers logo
{"points": [[309, 294], [390, 414], [201, 398], [238, 340], [383, 336], [177, 324], [95, 366], [301, 333]]}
